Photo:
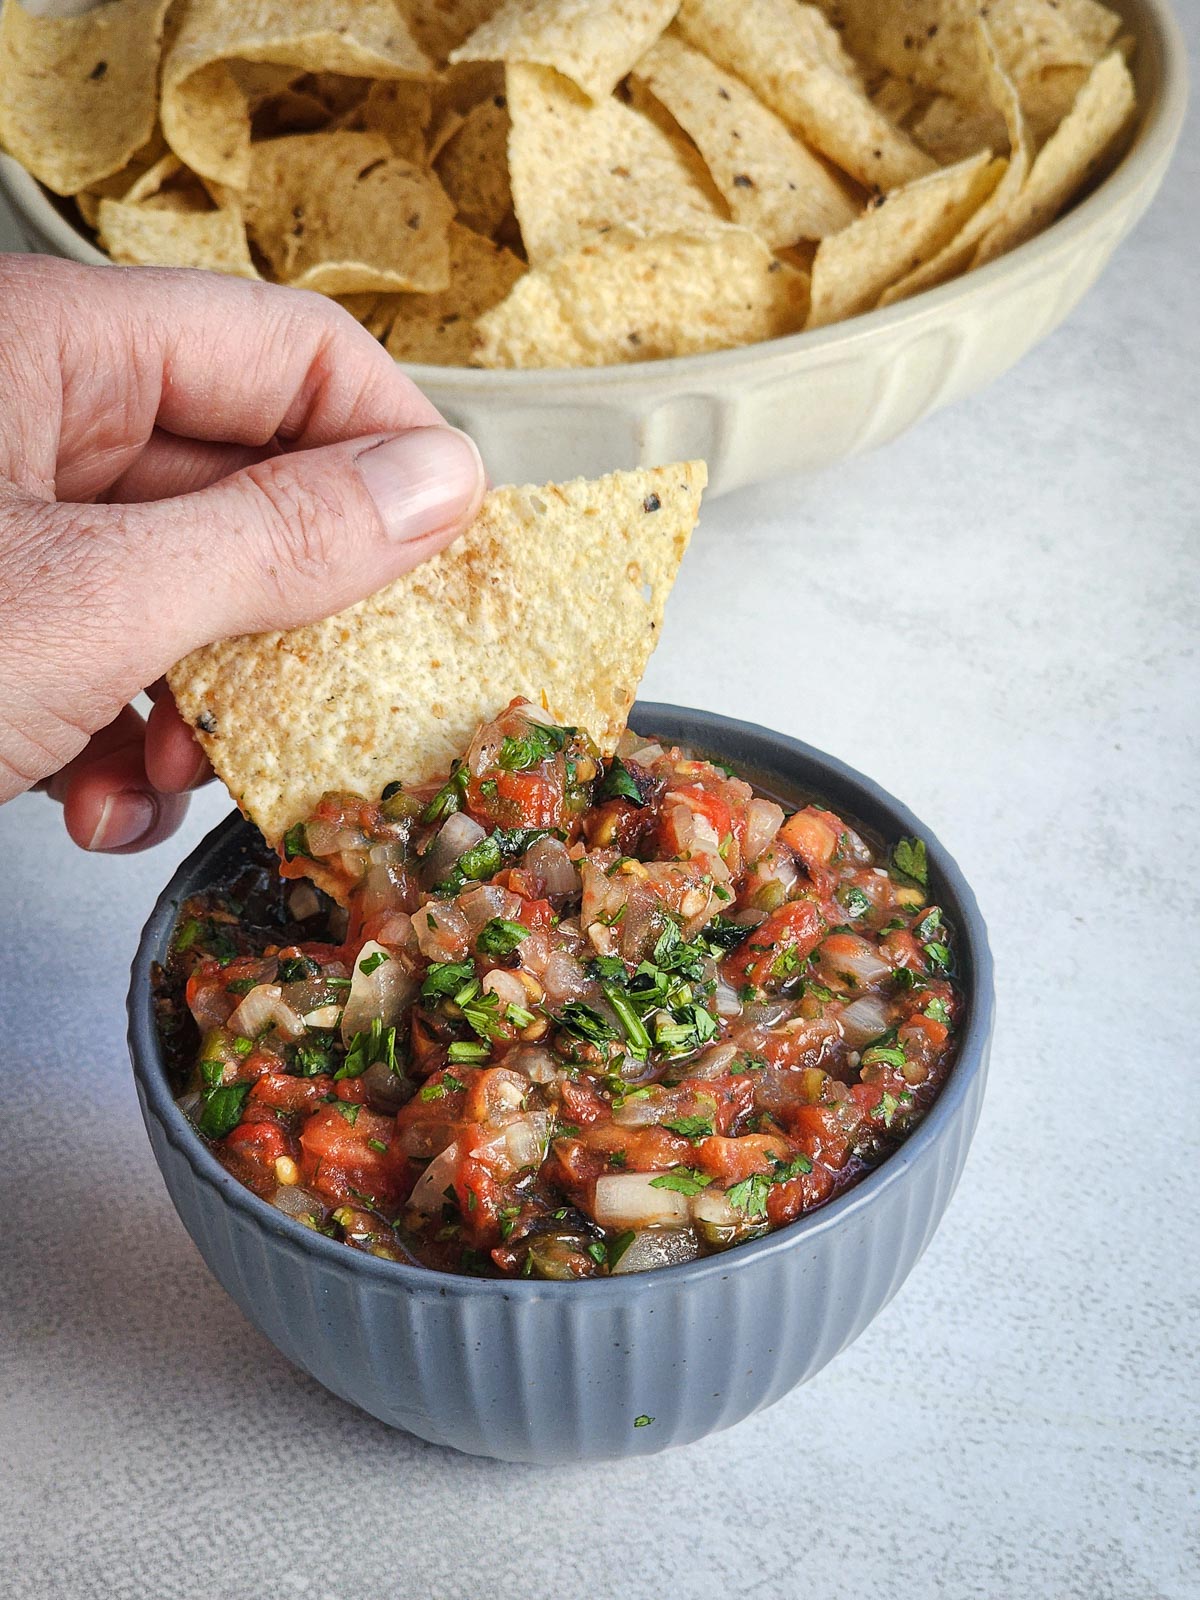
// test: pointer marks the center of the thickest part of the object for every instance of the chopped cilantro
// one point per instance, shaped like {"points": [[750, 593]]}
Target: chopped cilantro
{"points": [[598, 1253], [619, 784], [939, 956], [312, 1056], [643, 1421], [449, 1084], [295, 843], [241, 986], [636, 1037], [349, 1111], [938, 1010], [222, 1109], [541, 741], [885, 1055], [373, 962], [586, 1023], [909, 860], [691, 1026], [377, 1145], [929, 924], [499, 938], [618, 1246], [449, 797], [683, 1180], [468, 1052], [723, 933], [853, 900], [375, 1044], [444, 979], [691, 1127]]}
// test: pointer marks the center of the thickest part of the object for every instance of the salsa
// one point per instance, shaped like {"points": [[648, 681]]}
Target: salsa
{"points": [[574, 1017]]}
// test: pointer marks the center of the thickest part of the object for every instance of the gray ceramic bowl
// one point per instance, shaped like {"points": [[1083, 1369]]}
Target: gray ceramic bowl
{"points": [[548, 1372]]}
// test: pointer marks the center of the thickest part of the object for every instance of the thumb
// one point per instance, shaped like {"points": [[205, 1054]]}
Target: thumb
{"points": [[297, 537]]}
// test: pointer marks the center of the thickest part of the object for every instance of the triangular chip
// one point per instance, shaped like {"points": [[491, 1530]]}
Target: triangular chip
{"points": [[955, 257], [205, 109], [793, 60], [592, 44], [623, 298], [895, 236], [78, 95], [578, 169], [439, 25], [473, 167], [553, 593], [401, 110], [1072, 155], [338, 212], [440, 328], [172, 230], [771, 181]]}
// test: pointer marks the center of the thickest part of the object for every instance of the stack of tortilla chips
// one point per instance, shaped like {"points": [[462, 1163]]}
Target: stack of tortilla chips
{"points": [[548, 183]]}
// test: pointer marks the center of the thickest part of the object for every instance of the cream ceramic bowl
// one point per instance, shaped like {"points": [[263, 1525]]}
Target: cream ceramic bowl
{"points": [[794, 404]]}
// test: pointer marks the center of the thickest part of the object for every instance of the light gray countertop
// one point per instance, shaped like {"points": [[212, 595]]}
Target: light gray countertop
{"points": [[997, 617]]}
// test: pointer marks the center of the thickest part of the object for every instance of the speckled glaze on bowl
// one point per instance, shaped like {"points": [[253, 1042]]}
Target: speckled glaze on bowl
{"points": [[800, 403], [548, 1372]]}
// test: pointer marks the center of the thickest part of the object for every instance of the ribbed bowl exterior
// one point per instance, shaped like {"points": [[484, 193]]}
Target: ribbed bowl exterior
{"points": [[800, 403], [548, 1372]]}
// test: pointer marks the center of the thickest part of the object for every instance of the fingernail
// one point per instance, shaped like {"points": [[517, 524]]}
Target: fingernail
{"points": [[424, 481], [124, 819]]}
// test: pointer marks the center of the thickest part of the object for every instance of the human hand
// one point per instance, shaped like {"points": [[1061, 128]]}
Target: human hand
{"points": [[185, 457]]}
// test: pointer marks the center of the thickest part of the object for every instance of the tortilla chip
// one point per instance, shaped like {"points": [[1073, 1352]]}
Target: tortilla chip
{"points": [[772, 183], [897, 234], [899, 100], [206, 112], [930, 41], [1047, 97], [374, 311], [78, 95], [339, 213], [117, 184], [401, 110], [956, 256], [951, 130], [577, 168], [593, 45], [175, 235], [791, 58], [625, 298], [440, 328], [473, 167], [554, 593], [1068, 159], [439, 25]]}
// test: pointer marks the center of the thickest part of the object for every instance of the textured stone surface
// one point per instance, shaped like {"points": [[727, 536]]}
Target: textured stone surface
{"points": [[1019, 663]]}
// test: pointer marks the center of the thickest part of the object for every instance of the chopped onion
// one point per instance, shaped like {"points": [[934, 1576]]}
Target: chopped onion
{"points": [[564, 978], [442, 932], [527, 1139], [658, 1247], [507, 986], [847, 953], [382, 992], [386, 887], [263, 1007], [627, 1200], [763, 821], [430, 1189], [458, 833], [765, 1013], [538, 1065], [295, 1201], [303, 902], [725, 998], [323, 1017], [327, 838], [489, 900], [549, 860], [864, 1019], [714, 1063]]}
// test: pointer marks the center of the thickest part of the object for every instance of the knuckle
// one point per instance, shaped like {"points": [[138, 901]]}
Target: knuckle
{"points": [[304, 522]]}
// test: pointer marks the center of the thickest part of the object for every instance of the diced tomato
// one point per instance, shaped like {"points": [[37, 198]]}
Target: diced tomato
{"points": [[339, 1155], [704, 803], [813, 835], [776, 949], [581, 1104], [820, 1132], [732, 1160], [785, 1201], [536, 914], [257, 1143], [479, 1200], [519, 800], [285, 1093]]}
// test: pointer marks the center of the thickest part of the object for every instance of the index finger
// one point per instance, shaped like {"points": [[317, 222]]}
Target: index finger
{"points": [[200, 355]]}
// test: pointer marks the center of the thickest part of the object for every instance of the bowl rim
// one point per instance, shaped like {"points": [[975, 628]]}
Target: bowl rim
{"points": [[969, 1065], [1156, 134]]}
